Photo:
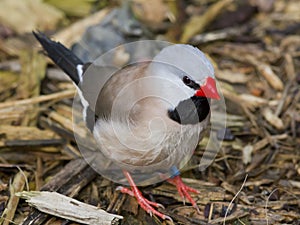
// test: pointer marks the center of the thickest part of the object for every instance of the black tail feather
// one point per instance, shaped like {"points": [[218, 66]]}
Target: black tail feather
{"points": [[60, 55]]}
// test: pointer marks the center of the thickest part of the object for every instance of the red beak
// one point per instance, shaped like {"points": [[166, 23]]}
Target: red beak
{"points": [[208, 90]]}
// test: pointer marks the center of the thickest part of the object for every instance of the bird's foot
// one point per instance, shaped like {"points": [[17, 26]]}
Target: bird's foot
{"points": [[147, 205], [142, 201], [184, 190]]}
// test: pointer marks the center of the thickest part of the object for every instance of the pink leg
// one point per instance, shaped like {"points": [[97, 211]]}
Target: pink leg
{"points": [[184, 190], [143, 202]]}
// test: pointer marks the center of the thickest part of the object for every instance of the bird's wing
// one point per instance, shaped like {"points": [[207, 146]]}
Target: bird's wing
{"points": [[119, 91]]}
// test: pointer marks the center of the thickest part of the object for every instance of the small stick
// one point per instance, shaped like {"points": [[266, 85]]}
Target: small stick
{"points": [[17, 186], [43, 98]]}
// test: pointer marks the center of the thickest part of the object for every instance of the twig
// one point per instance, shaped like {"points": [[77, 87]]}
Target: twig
{"points": [[17, 185], [43, 98], [227, 210]]}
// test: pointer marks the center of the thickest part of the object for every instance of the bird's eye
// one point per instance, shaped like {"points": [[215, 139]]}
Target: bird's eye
{"points": [[186, 80]]}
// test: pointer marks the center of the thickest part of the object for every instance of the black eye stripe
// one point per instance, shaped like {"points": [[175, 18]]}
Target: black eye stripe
{"points": [[190, 83]]}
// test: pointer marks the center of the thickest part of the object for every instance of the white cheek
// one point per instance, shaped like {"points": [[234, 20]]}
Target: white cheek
{"points": [[167, 85], [179, 94], [175, 91]]}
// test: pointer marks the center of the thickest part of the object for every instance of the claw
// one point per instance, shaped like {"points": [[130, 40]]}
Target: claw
{"points": [[142, 201], [183, 190], [197, 208], [168, 218], [150, 213], [119, 188], [160, 206]]}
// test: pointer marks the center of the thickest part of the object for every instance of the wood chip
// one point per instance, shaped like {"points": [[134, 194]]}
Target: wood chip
{"points": [[272, 119], [18, 184], [232, 77], [270, 76], [247, 152], [68, 208]]}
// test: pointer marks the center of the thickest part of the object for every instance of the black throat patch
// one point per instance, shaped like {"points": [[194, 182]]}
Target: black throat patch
{"points": [[190, 111]]}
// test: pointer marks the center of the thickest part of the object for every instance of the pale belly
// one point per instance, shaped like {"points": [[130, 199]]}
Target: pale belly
{"points": [[153, 147]]}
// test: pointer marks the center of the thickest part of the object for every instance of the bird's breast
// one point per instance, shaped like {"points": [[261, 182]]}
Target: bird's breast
{"points": [[157, 143]]}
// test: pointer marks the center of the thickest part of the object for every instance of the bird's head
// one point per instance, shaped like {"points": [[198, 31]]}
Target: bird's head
{"points": [[189, 68], [186, 81]]}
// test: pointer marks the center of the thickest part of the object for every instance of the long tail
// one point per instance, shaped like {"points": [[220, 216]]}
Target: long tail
{"points": [[72, 66], [61, 56]]}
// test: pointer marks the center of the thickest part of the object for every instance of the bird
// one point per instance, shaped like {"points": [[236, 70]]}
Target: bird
{"points": [[146, 116]]}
